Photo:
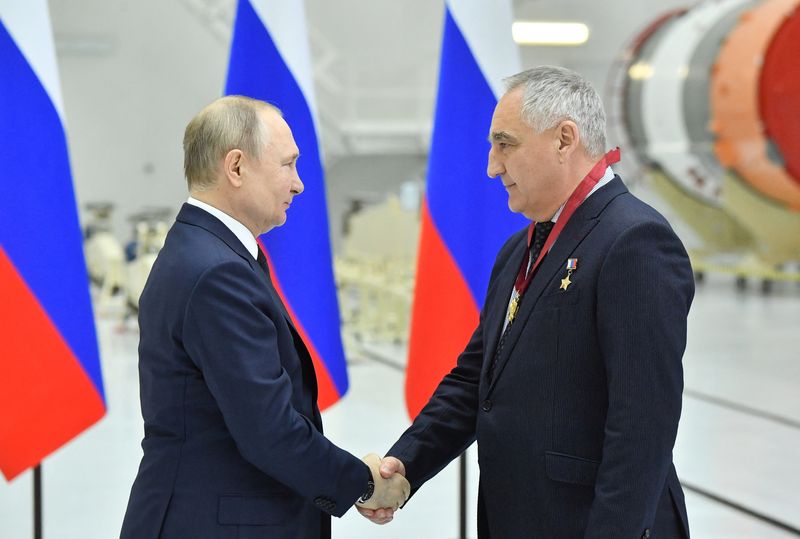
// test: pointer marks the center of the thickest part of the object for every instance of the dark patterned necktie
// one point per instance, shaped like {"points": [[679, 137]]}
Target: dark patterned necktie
{"points": [[262, 261], [540, 233]]}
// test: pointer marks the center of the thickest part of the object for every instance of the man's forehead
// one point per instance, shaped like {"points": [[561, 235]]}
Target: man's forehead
{"points": [[271, 119], [510, 102], [279, 131], [507, 120], [285, 150], [505, 127]]}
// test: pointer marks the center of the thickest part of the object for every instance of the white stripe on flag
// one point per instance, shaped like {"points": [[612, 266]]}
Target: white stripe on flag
{"points": [[286, 24], [28, 22], [479, 21]]}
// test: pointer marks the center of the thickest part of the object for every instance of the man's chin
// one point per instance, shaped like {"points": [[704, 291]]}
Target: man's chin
{"points": [[514, 206], [280, 221]]}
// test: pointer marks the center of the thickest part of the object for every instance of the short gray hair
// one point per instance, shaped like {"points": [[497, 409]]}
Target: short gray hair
{"points": [[553, 94], [231, 122]]}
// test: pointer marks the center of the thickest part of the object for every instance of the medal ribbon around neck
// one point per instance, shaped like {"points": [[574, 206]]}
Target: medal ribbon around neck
{"points": [[577, 197]]}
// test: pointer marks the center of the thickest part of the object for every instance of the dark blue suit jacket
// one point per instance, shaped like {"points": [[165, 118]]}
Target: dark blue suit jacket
{"points": [[576, 428], [233, 444]]}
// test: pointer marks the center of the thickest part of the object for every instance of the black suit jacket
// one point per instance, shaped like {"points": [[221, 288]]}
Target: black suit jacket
{"points": [[233, 442], [576, 428]]}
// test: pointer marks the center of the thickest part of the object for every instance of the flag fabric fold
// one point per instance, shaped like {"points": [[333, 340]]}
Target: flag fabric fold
{"points": [[465, 216], [51, 386], [270, 60]]}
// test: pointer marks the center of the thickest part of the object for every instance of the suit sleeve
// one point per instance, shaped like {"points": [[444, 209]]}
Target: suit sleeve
{"points": [[645, 288], [445, 427], [228, 334]]}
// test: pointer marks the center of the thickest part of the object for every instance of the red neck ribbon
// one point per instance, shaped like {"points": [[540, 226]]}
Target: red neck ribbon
{"points": [[577, 197]]}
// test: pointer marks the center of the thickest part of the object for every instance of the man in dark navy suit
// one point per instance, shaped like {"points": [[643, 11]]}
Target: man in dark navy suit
{"points": [[233, 444], [572, 381]]}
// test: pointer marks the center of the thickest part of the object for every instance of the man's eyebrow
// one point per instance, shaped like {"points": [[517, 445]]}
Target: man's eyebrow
{"points": [[501, 136]]}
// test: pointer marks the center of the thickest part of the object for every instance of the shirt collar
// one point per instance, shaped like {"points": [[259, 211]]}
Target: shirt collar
{"points": [[607, 177], [238, 229]]}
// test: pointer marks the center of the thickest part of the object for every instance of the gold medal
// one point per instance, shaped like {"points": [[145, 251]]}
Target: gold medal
{"points": [[572, 265], [565, 282], [512, 309]]}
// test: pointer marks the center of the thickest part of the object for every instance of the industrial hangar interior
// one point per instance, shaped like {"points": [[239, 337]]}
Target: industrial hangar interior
{"points": [[703, 100]]}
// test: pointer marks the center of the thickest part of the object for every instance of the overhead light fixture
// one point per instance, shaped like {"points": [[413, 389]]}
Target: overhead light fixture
{"points": [[549, 33]]}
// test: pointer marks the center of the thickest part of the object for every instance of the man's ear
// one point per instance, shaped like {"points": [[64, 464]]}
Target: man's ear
{"points": [[567, 138], [232, 165]]}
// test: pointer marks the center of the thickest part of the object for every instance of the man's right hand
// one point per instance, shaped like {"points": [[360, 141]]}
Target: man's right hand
{"points": [[391, 489], [391, 466]]}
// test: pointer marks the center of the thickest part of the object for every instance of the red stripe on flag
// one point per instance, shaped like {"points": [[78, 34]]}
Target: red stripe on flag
{"points": [[327, 393], [46, 398], [443, 317]]}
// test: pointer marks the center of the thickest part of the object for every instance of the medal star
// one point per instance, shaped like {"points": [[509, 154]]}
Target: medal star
{"points": [[565, 282]]}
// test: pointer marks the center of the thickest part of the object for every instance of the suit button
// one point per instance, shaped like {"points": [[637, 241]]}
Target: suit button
{"points": [[646, 534], [487, 405]]}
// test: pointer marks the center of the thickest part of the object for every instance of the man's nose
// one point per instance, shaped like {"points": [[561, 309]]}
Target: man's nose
{"points": [[297, 185], [494, 167]]}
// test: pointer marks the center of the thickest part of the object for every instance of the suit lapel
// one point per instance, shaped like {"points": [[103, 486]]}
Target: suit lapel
{"points": [[277, 298], [195, 216], [554, 263], [496, 311], [583, 221], [199, 217], [306, 361]]}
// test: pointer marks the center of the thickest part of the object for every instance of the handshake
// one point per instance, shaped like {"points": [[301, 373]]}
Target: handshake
{"points": [[391, 489]]}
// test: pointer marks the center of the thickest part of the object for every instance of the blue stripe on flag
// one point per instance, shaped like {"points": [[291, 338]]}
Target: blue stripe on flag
{"points": [[39, 226], [300, 250], [469, 209]]}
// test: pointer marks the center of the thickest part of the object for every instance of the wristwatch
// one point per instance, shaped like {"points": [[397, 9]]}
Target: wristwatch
{"points": [[370, 488]]}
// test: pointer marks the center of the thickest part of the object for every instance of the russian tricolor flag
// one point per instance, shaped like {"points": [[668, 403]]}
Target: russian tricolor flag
{"points": [[51, 388], [270, 60], [465, 215]]}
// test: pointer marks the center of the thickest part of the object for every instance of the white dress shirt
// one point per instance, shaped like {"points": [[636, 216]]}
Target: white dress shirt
{"points": [[238, 229], [607, 177]]}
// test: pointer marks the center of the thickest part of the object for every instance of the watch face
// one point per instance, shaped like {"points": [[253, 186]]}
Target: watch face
{"points": [[368, 494], [370, 488]]}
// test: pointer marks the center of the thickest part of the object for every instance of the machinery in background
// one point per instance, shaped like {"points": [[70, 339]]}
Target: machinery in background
{"points": [[105, 259], [375, 274], [150, 232], [122, 272], [707, 101]]}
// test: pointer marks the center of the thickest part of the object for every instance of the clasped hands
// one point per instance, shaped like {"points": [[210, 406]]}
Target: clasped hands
{"points": [[391, 489]]}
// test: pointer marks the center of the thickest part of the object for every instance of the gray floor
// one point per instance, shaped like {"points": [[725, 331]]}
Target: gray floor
{"points": [[736, 452]]}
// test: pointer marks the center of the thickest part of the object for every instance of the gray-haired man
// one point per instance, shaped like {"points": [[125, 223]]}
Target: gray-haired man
{"points": [[572, 381]]}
